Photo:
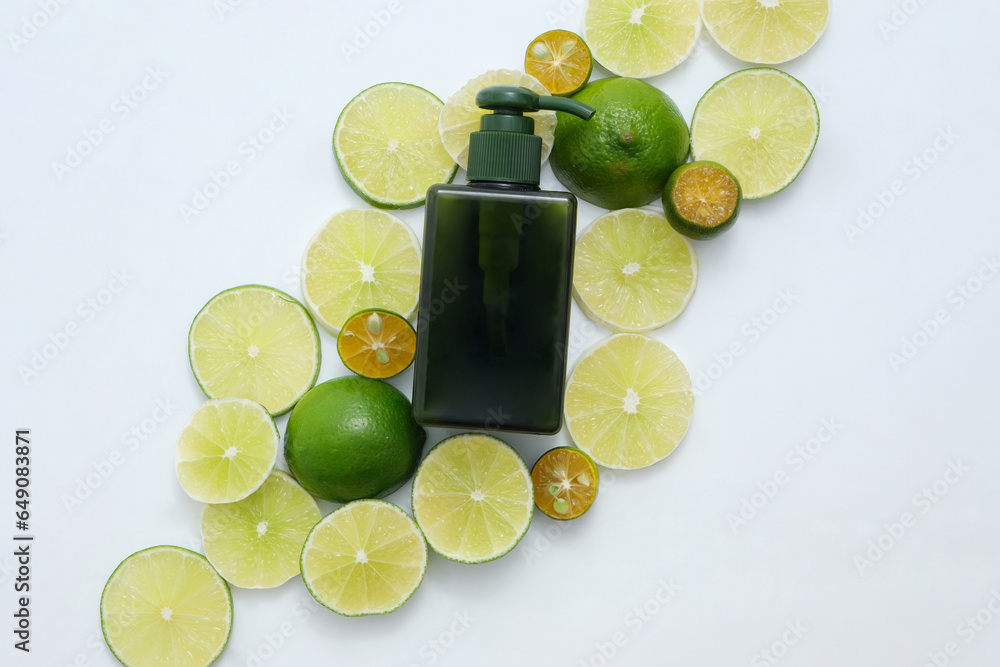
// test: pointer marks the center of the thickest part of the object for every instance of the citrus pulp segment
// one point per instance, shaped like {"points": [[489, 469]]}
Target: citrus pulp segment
{"points": [[633, 272], [560, 60], [377, 344], [565, 481], [388, 145], [628, 402], [762, 124], [641, 38], [368, 557], [473, 498], [360, 259], [256, 542], [702, 199], [227, 450], [166, 606], [766, 31], [255, 342]]}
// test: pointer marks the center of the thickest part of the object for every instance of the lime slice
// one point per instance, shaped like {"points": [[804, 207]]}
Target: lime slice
{"points": [[257, 542], [255, 342], [560, 60], [473, 498], [565, 482], [641, 38], [377, 344], [460, 116], [360, 259], [166, 606], [702, 199], [633, 272], [366, 558], [226, 451], [762, 124], [628, 401], [766, 31], [388, 146]]}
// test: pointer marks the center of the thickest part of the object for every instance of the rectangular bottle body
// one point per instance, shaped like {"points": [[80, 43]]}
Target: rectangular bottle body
{"points": [[494, 309]]}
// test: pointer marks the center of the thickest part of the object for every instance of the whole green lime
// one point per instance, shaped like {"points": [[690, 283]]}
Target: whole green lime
{"points": [[623, 156], [352, 438]]}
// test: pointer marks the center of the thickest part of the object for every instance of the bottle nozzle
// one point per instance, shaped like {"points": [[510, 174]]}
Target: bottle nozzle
{"points": [[516, 100], [567, 105], [506, 149]]}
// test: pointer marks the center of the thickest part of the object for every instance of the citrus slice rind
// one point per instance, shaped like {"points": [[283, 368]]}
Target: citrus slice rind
{"points": [[762, 124], [255, 342], [360, 259], [628, 402], [166, 602], [473, 498], [368, 557], [388, 146], [376, 343], [766, 32], [632, 272], [460, 116], [565, 481], [226, 450], [560, 60], [257, 542], [641, 38]]}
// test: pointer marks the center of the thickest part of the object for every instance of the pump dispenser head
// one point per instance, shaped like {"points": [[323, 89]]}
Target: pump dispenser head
{"points": [[505, 149]]}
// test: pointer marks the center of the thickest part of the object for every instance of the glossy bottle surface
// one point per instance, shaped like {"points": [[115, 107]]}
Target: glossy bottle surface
{"points": [[494, 309]]}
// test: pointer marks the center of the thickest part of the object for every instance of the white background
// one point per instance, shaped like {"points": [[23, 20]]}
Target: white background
{"points": [[567, 589]]}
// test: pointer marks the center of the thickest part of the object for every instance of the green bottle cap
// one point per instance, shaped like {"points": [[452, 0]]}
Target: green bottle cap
{"points": [[505, 148]]}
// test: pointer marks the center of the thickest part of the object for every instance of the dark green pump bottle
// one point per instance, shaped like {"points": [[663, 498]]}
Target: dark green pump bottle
{"points": [[496, 280]]}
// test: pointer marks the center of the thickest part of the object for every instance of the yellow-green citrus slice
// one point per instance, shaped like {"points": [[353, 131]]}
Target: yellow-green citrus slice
{"points": [[460, 116], [762, 124], [388, 146], [641, 38], [255, 342], [226, 451], [368, 557], [256, 542], [166, 606], [565, 480], [766, 31], [628, 401], [702, 199], [377, 344], [473, 498], [360, 259], [560, 60], [633, 272]]}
